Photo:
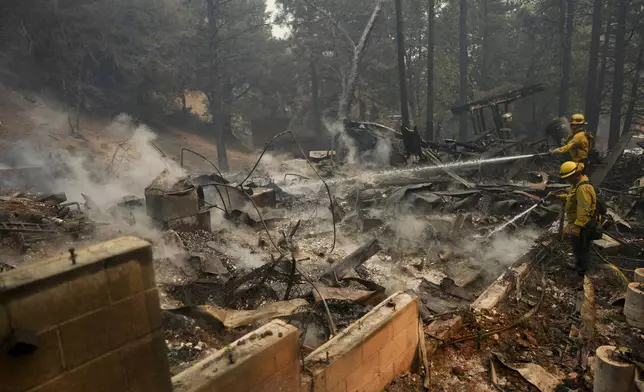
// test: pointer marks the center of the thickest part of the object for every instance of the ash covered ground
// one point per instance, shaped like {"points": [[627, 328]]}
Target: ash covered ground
{"points": [[317, 244]]}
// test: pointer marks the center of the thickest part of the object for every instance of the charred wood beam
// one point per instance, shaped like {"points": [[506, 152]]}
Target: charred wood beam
{"points": [[356, 258]]}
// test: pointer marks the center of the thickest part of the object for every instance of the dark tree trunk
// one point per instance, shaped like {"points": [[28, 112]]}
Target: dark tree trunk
{"points": [[216, 100], [429, 132], [567, 14], [184, 102], [374, 113], [593, 117], [362, 108], [630, 111], [415, 64], [411, 84], [462, 66], [227, 103], [315, 97], [592, 105], [402, 80], [218, 122], [484, 48], [618, 75]]}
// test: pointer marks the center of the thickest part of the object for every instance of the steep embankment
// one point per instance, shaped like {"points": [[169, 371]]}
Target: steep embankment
{"points": [[36, 124]]}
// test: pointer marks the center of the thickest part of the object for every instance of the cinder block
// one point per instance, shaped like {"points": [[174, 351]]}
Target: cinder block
{"points": [[342, 367], [86, 338], [407, 316], [244, 365], [146, 365], [19, 374], [319, 381], [286, 380], [59, 302], [393, 349], [372, 386], [341, 387], [101, 375], [306, 383], [154, 309], [365, 374], [253, 370], [124, 280], [287, 352], [259, 367], [386, 376], [90, 259], [403, 362], [142, 254], [377, 341], [412, 335], [89, 292], [147, 270], [129, 320]]}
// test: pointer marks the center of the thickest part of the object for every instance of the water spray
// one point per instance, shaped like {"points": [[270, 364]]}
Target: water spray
{"points": [[516, 218], [429, 168]]}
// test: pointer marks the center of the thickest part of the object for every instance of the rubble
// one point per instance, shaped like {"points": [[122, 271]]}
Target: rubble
{"points": [[231, 318], [320, 243], [533, 373]]}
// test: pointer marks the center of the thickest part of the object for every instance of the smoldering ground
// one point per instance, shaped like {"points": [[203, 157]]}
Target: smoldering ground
{"points": [[83, 174]]}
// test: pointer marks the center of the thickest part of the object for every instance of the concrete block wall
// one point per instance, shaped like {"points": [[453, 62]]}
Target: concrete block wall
{"points": [[265, 360], [97, 323], [370, 353]]}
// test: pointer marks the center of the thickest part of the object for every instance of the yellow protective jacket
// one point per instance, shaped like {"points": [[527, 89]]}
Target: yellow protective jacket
{"points": [[581, 201], [578, 146]]}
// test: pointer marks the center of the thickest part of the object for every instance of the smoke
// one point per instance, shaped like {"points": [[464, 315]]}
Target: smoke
{"points": [[410, 228], [501, 252], [283, 169], [238, 239], [381, 155], [245, 256], [378, 156], [133, 166], [75, 168]]}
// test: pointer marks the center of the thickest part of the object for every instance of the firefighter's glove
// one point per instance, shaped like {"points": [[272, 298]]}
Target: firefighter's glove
{"points": [[571, 230]]}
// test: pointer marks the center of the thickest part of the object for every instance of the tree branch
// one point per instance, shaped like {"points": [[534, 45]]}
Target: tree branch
{"points": [[331, 19]]}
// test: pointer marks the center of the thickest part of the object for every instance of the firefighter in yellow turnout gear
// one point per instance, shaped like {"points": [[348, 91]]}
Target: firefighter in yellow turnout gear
{"points": [[581, 217], [578, 141]]}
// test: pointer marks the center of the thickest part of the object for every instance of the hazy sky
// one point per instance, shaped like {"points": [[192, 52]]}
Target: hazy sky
{"points": [[278, 31]]}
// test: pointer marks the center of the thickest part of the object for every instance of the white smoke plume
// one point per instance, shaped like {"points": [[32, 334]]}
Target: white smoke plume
{"points": [[105, 180], [135, 164]]}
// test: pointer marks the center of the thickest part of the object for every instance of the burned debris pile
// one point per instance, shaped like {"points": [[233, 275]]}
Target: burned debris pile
{"points": [[28, 219], [318, 242]]}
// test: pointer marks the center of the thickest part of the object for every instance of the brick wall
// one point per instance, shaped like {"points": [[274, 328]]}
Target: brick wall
{"points": [[97, 324], [370, 353], [265, 360]]}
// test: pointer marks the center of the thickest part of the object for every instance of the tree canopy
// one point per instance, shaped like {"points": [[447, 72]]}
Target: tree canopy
{"points": [[140, 56]]}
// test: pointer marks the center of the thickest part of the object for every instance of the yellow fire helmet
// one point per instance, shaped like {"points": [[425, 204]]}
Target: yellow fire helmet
{"points": [[569, 168], [578, 119]]}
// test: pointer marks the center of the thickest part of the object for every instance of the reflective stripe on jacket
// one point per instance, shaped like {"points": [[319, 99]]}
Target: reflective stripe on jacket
{"points": [[578, 146], [581, 202]]}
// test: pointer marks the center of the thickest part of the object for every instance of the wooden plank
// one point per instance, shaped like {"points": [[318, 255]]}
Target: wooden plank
{"points": [[339, 269]]}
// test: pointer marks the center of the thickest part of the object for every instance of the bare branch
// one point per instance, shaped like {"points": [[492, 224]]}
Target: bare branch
{"points": [[358, 55], [331, 19]]}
